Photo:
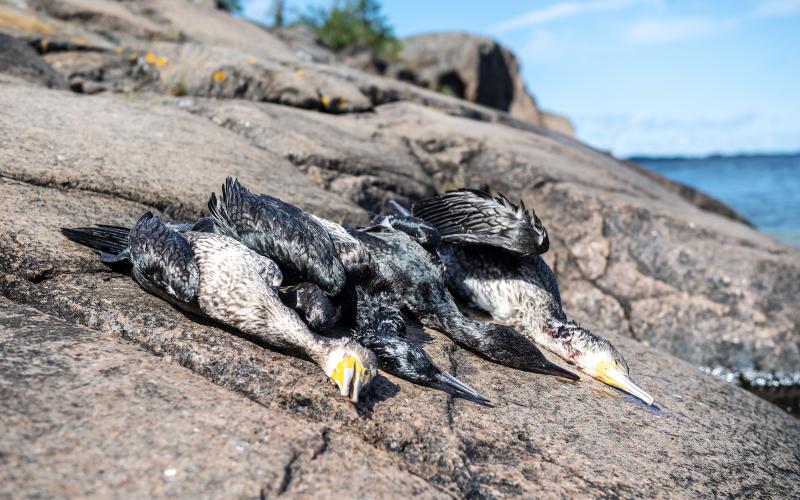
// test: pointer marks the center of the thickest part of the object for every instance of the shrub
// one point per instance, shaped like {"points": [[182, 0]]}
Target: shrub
{"points": [[230, 5], [356, 25]]}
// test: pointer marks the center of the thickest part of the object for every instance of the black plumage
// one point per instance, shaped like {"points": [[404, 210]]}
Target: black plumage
{"points": [[162, 261], [416, 275], [300, 245], [490, 260], [423, 232], [323, 254], [380, 327], [468, 216], [308, 300]]}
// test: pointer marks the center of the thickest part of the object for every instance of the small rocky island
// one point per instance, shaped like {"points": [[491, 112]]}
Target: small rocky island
{"points": [[109, 109]]}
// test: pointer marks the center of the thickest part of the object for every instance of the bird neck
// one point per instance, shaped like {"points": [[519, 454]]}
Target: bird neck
{"points": [[556, 335], [460, 328], [295, 335]]}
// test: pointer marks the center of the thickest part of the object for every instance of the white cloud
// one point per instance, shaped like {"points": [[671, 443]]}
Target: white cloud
{"points": [[542, 46], [646, 133], [676, 30], [559, 11], [776, 8]]}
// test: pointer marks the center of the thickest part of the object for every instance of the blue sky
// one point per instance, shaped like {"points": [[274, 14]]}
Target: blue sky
{"points": [[640, 76]]}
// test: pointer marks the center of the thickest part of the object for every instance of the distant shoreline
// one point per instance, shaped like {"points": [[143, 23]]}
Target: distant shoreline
{"points": [[716, 156]]}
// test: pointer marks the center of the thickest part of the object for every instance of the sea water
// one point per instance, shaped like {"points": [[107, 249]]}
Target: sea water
{"points": [[764, 189]]}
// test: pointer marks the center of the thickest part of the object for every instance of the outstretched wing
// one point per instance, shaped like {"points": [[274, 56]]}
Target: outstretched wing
{"points": [[298, 243], [162, 260], [471, 217]]}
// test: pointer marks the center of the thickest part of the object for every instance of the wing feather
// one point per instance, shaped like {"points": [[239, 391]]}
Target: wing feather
{"points": [[471, 217], [162, 260], [297, 242]]}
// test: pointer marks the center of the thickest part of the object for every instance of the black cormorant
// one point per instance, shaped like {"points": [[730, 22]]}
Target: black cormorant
{"points": [[490, 254], [396, 245]]}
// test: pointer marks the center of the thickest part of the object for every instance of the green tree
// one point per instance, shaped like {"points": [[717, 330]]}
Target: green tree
{"points": [[277, 13], [355, 25]]}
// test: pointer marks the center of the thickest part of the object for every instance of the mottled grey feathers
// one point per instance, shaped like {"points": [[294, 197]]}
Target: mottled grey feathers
{"points": [[162, 258]]}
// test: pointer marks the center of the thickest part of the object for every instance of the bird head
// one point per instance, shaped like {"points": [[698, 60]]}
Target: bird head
{"points": [[351, 367], [596, 357]]}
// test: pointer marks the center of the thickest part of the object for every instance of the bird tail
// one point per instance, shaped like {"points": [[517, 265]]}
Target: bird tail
{"points": [[110, 241], [220, 208]]}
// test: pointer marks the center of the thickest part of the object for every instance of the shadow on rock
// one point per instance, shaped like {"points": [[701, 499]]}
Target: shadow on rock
{"points": [[382, 390]]}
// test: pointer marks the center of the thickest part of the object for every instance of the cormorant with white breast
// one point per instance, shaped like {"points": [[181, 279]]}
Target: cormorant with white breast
{"points": [[323, 258], [218, 277], [490, 252], [402, 248]]}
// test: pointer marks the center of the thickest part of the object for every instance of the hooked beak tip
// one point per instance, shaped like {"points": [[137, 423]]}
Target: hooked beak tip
{"points": [[459, 386], [622, 381]]}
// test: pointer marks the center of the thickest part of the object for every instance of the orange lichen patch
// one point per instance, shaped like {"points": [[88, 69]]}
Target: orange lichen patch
{"points": [[150, 58], [299, 72], [220, 76], [252, 60], [161, 61], [325, 100], [14, 20], [343, 103], [79, 40]]}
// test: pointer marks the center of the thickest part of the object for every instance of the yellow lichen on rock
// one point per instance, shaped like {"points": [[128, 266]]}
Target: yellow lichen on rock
{"points": [[79, 40], [220, 76], [325, 100], [252, 60], [161, 61], [150, 58], [15, 20]]}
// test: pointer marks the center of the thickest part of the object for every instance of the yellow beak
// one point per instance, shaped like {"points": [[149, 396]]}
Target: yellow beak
{"points": [[616, 377], [350, 376]]}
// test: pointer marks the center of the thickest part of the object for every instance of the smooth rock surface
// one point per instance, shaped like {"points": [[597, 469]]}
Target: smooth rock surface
{"points": [[138, 151], [541, 437], [85, 415]]}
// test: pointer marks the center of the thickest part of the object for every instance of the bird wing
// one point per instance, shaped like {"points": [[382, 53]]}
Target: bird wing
{"points": [[162, 260], [353, 255], [471, 217], [300, 245]]}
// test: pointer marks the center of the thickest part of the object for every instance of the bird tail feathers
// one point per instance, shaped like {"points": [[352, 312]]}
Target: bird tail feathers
{"points": [[110, 241]]}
